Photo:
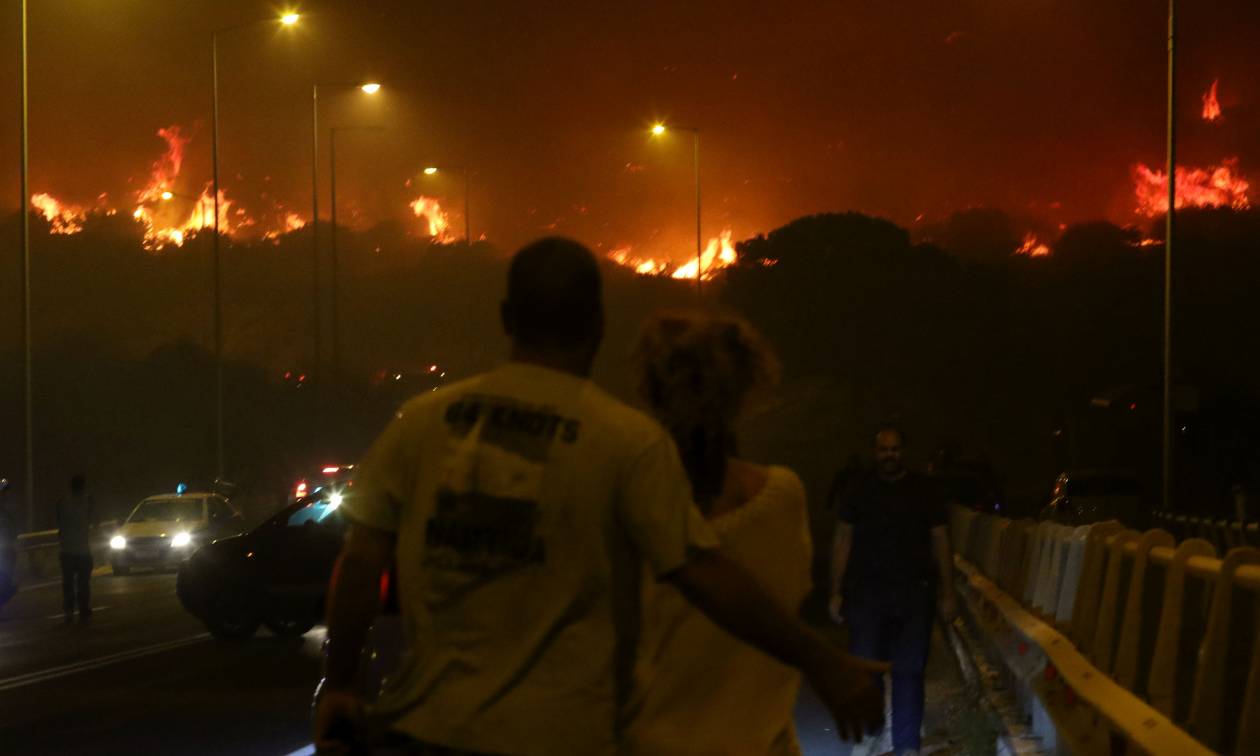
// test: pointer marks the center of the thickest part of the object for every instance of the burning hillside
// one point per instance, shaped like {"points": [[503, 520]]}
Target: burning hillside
{"points": [[718, 253]]}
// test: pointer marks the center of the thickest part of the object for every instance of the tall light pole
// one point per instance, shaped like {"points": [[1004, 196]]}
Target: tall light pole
{"points": [[370, 88], [435, 169], [288, 19], [1167, 481], [25, 223], [659, 129], [332, 211]]}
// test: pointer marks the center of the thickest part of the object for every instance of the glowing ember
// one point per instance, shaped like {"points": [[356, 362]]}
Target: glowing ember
{"points": [[718, 253], [1214, 186], [436, 222], [1212, 106], [1032, 247], [64, 218]]}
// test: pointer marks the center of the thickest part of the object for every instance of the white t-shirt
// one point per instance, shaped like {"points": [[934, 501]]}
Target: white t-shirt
{"points": [[526, 502], [701, 691]]}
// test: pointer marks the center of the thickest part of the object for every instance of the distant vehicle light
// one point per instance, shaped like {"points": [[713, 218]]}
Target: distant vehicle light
{"points": [[180, 540], [118, 543], [181, 488], [331, 469]]}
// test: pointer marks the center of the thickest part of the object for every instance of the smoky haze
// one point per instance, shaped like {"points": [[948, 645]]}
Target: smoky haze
{"points": [[903, 111]]}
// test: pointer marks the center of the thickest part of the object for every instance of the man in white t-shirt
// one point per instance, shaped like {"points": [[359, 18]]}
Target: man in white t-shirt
{"points": [[520, 507]]}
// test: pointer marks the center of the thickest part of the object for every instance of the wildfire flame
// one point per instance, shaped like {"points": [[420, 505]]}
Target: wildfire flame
{"points": [[436, 222], [624, 257], [718, 253], [1214, 186], [1212, 106], [167, 216], [1033, 247], [64, 218]]}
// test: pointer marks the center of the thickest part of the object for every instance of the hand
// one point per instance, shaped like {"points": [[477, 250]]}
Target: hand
{"points": [[846, 686], [835, 608], [949, 606], [338, 721]]}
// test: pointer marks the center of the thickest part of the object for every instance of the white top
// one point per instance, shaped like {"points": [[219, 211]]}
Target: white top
{"points": [[526, 502], [701, 691]]}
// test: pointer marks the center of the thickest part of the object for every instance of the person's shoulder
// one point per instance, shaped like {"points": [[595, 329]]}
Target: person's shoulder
{"points": [[615, 420], [785, 481], [421, 406]]}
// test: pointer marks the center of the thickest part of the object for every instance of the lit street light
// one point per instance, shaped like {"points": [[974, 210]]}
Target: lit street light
{"points": [[433, 170], [658, 129], [288, 19], [369, 88], [332, 182]]}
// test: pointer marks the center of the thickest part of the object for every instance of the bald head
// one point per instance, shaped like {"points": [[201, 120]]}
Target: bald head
{"points": [[554, 297]]}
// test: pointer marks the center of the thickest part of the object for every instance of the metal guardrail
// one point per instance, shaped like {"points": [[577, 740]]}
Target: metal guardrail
{"points": [[1170, 628], [37, 552]]}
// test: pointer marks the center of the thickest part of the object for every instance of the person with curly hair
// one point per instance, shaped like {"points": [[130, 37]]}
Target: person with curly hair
{"points": [[696, 684]]}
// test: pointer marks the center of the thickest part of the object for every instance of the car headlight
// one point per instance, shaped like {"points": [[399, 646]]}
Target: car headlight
{"points": [[180, 539], [118, 542]]}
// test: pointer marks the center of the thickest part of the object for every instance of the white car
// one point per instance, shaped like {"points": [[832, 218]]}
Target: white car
{"points": [[163, 531]]}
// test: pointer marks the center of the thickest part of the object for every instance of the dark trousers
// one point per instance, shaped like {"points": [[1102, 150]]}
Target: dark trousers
{"points": [[895, 625], [76, 584]]}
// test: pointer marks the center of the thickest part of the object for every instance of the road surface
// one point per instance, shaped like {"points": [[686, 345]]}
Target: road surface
{"points": [[144, 677]]}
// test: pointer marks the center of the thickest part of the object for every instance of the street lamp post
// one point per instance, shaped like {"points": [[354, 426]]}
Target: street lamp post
{"points": [[1167, 481], [370, 88], [434, 169], [25, 223], [288, 19], [659, 129], [332, 210]]}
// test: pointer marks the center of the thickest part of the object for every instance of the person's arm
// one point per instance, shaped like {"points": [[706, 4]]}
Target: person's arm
{"points": [[840, 550], [728, 596], [353, 603], [944, 556]]}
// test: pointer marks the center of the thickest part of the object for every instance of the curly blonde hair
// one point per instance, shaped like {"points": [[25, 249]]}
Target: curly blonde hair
{"points": [[696, 372]]}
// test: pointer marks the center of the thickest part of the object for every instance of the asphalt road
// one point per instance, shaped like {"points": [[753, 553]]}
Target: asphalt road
{"points": [[143, 677]]}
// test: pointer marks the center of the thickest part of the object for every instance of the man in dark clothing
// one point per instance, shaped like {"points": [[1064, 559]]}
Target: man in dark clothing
{"points": [[890, 567], [76, 519]]}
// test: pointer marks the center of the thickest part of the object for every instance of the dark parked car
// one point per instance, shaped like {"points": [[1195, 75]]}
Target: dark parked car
{"points": [[275, 575]]}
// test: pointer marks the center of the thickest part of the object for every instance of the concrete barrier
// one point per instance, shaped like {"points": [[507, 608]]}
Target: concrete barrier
{"points": [[1110, 636], [38, 554]]}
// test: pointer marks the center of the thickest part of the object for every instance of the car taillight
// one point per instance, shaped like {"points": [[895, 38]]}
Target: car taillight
{"points": [[300, 490]]}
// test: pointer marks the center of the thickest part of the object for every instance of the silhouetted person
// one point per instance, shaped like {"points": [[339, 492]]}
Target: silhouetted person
{"points": [[700, 690], [76, 519], [843, 478], [522, 508], [891, 564]]}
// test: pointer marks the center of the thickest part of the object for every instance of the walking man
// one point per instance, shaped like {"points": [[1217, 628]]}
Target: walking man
{"points": [[891, 566], [76, 519], [521, 508]]}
